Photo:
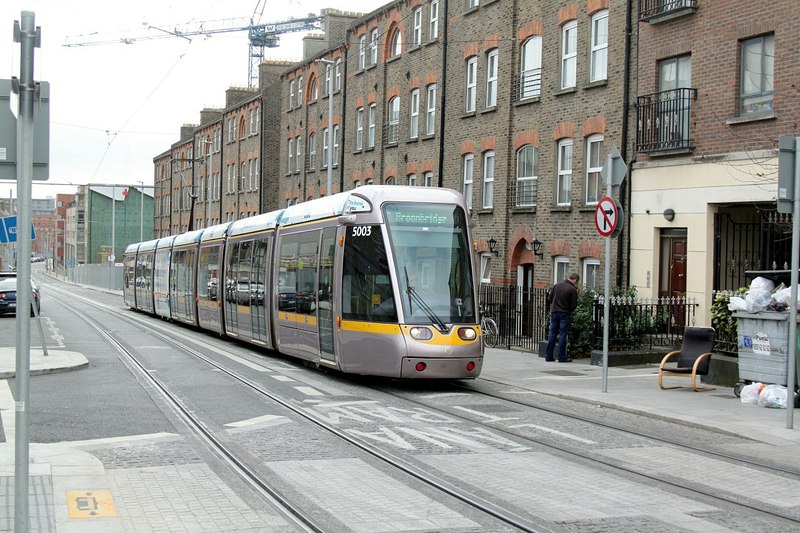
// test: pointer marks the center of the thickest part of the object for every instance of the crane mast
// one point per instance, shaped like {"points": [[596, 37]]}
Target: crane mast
{"points": [[261, 36]]}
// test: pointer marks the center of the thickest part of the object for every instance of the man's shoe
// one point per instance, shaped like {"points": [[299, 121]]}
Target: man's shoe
{"points": [[549, 360], [567, 360]]}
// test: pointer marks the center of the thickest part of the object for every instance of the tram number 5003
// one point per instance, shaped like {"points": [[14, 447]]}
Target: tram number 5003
{"points": [[362, 231]]}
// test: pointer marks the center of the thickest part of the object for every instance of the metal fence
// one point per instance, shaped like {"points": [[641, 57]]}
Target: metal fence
{"points": [[520, 313], [635, 323], [642, 323], [100, 276]]}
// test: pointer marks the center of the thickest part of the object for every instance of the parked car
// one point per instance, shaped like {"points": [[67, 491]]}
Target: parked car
{"points": [[8, 296]]}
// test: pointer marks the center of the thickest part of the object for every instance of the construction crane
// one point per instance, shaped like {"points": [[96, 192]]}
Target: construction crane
{"points": [[261, 36]]}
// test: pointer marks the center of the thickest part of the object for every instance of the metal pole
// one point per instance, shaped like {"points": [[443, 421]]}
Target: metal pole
{"points": [[113, 222], [28, 36], [791, 364], [607, 268], [328, 64], [141, 212]]}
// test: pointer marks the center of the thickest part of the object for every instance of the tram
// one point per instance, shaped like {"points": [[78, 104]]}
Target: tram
{"points": [[379, 280]]}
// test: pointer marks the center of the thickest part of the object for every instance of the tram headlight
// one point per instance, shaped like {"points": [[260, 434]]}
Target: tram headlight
{"points": [[467, 334], [421, 334]]}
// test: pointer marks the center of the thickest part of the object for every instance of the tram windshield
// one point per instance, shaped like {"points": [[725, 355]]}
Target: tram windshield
{"points": [[432, 262]]}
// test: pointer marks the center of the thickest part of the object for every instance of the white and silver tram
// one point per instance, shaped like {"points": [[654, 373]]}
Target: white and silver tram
{"points": [[379, 280]]}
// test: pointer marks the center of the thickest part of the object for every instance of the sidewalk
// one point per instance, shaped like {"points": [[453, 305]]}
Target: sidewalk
{"points": [[68, 484], [635, 389]]}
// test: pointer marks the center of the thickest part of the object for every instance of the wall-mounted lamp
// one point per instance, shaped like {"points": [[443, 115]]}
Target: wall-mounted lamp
{"points": [[492, 244], [669, 214], [537, 245]]}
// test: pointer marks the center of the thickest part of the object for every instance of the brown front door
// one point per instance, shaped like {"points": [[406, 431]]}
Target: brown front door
{"points": [[672, 275]]}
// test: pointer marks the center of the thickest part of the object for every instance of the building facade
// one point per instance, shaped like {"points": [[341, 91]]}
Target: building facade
{"points": [[715, 94]]}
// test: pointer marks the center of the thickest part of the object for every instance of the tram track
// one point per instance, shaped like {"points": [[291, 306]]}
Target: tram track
{"points": [[496, 511], [586, 453], [262, 486]]}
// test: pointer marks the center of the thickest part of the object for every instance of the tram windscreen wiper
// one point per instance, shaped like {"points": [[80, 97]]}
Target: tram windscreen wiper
{"points": [[416, 298]]}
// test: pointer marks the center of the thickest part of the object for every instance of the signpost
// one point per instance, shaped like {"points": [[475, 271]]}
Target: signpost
{"points": [[8, 230], [608, 220]]}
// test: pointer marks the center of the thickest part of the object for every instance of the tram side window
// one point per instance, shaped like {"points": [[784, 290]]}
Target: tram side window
{"points": [[208, 275], [287, 274], [243, 276], [306, 299], [367, 285], [129, 272]]}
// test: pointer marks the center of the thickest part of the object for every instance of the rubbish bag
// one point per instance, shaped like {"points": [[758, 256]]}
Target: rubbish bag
{"points": [[773, 396], [750, 393]]}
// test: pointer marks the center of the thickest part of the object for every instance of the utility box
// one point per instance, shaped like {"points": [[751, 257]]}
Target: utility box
{"points": [[763, 340]]}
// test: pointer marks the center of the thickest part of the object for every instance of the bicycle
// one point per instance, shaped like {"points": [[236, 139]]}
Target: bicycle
{"points": [[489, 330]]}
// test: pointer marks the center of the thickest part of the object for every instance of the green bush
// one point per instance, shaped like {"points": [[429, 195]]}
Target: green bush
{"points": [[582, 328], [722, 319]]}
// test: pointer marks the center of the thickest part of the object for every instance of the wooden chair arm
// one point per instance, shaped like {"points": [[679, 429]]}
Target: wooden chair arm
{"points": [[698, 360], [667, 358]]}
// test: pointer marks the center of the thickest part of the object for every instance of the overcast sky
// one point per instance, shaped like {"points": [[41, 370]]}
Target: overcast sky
{"points": [[114, 107]]}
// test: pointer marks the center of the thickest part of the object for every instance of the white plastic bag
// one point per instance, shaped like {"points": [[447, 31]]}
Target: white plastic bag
{"points": [[762, 284], [784, 296], [737, 304], [773, 396], [750, 393]]}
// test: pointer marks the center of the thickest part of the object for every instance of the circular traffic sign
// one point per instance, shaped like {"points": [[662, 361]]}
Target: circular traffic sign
{"points": [[606, 216]]}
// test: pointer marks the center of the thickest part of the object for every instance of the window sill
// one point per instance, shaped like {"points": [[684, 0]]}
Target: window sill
{"points": [[489, 2], [432, 41], [390, 145], [523, 209], [527, 101], [393, 58], [468, 114], [753, 117], [568, 90], [489, 110], [414, 48], [561, 209], [485, 210], [429, 136], [470, 11], [412, 140], [588, 208], [596, 84]]}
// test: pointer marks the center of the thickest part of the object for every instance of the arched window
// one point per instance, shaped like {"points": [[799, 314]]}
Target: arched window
{"points": [[530, 75], [527, 175], [397, 43], [312, 151], [393, 120]]}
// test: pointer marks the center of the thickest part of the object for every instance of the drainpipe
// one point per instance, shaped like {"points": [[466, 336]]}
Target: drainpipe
{"points": [[443, 99], [625, 190]]}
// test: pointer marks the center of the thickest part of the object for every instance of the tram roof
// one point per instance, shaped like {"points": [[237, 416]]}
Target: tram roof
{"points": [[132, 248], [188, 237], [326, 207], [262, 222], [148, 245], [364, 200], [165, 242], [214, 232]]}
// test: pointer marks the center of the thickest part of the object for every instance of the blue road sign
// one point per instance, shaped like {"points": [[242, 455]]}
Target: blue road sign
{"points": [[8, 230]]}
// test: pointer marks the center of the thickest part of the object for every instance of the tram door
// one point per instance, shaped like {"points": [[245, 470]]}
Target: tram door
{"points": [[325, 291]]}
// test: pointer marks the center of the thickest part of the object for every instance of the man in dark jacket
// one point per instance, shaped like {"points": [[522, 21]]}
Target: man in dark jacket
{"points": [[563, 301]]}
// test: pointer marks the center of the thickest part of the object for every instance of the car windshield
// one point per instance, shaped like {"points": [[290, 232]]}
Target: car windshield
{"points": [[10, 284]]}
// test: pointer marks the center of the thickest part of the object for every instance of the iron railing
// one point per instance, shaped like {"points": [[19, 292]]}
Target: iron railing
{"points": [[391, 133], [524, 192], [520, 313], [638, 323], [663, 120], [653, 9], [527, 85]]}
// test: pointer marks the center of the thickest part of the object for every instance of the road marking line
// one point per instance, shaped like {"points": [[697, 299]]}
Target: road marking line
{"points": [[309, 391], [554, 432], [484, 415], [283, 378]]}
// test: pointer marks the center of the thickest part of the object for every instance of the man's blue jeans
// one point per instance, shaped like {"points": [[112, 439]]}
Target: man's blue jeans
{"points": [[559, 326]]}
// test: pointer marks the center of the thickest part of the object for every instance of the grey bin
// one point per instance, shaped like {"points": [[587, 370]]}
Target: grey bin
{"points": [[763, 346]]}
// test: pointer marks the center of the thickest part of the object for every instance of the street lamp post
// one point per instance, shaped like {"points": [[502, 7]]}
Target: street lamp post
{"points": [[210, 144], [328, 63]]}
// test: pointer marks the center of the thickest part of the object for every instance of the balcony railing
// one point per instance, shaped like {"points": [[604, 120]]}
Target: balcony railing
{"points": [[391, 133], [663, 120], [528, 85], [654, 11], [524, 191]]}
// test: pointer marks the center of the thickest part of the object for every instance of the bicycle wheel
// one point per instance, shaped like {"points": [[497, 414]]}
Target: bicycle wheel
{"points": [[490, 332]]}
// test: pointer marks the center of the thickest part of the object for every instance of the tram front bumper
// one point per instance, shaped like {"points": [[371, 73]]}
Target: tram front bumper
{"points": [[441, 368]]}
